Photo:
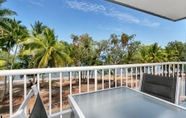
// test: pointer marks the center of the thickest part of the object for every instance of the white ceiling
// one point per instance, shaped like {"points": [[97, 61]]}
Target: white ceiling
{"points": [[169, 9]]}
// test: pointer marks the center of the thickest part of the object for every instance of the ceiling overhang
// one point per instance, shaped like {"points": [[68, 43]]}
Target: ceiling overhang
{"points": [[173, 10]]}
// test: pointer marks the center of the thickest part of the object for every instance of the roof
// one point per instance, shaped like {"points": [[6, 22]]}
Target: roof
{"points": [[173, 10]]}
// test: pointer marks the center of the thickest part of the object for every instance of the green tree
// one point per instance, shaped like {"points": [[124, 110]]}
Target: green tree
{"points": [[46, 50], [155, 53], [178, 50], [102, 50], [68, 50], [121, 48], [144, 58], [83, 50], [175, 51], [133, 52], [37, 28], [3, 56], [170, 54], [13, 35], [5, 21]]}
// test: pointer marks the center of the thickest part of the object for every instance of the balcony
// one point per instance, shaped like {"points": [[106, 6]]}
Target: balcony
{"points": [[55, 84]]}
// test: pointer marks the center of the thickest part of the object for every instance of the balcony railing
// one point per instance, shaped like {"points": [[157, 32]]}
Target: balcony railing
{"points": [[55, 84]]}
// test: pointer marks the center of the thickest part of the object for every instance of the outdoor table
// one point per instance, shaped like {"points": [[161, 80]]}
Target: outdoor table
{"points": [[122, 102]]}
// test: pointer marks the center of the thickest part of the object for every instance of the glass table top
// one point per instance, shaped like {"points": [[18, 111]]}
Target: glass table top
{"points": [[123, 102]]}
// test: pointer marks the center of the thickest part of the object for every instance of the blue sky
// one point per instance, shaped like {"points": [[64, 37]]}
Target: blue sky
{"points": [[98, 18]]}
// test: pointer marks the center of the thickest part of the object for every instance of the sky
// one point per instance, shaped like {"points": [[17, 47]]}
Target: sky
{"points": [[98, 18]]}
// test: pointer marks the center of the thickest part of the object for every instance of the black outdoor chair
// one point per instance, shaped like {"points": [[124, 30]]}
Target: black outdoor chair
{"points": [[163, 87], [38, 110]]}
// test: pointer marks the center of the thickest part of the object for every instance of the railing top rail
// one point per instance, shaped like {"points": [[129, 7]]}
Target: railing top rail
{"points": [[68, 69]]}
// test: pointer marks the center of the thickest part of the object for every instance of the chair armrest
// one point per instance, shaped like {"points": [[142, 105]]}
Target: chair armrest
{"points": [[19, 114]]}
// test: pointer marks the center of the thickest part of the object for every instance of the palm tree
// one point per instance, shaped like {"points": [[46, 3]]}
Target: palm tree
{"points": [[155, 53], [37, 28], [17, 33], [5, 17], [5, 20], [144, 54], [47, 51], [2, 60], [170, 55], [13, 35], [68, 50]]}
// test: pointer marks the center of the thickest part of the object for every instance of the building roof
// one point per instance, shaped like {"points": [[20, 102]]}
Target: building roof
{"points": [[173, 10]]}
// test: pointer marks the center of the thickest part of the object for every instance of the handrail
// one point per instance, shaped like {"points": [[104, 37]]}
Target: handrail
{"points": [[68, 69]]}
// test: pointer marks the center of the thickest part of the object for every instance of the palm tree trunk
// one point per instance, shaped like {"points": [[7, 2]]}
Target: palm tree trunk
{"points": [[5, 89], [5, 81], [14, 57]]}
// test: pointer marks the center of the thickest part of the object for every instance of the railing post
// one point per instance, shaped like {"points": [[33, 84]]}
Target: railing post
{"points": [[173, 69], [148, 70], [136, 78], [60, 91], [25, 91], [177, 70], [96, 78], [126, 77], [115, 76], [169, 70], [144, 69], [162, 70], [102, 79], [50, 95], [38, 82], [182, 78], [155, 71], [10, 95], [165, 70], [131, 77], [88, 87], [121, 76], [79, 81], [185, 81], [70, 83], [109, 78]]}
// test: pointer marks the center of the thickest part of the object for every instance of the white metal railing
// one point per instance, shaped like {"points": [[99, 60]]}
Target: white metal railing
{"points": [[111, 76]]}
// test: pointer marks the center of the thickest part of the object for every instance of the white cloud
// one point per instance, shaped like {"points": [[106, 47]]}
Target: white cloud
{"points": [[104, 28], [111, 12], [121, 16], [36, 3], [148, 23], [118, 29], [110, 28], [86, 7]]}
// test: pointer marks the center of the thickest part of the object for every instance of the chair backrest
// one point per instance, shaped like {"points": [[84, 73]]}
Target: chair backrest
{"points": [[163, 87], [38, 110]]}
